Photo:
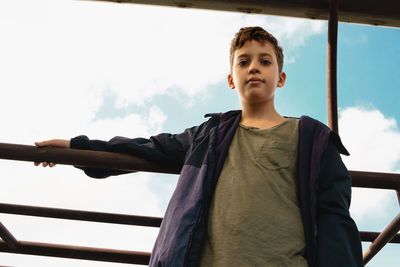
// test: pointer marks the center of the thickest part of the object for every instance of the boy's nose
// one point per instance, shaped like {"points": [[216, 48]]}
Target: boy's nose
{"points": [[253, 69]]}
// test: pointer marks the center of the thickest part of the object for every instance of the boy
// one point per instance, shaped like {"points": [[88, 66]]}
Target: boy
{"points": [[256, 188]]}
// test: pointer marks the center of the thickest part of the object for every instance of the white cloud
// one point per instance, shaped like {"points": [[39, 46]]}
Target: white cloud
{"points": [[60, 183], [79, 48], [292, 32], [132, 125], [373, 141]]}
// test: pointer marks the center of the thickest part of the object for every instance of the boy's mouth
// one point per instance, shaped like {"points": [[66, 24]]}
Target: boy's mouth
{"points": [[254, 80]]}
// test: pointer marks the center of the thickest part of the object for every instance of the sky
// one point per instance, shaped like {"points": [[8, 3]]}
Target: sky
{"points": [[103, 69]]}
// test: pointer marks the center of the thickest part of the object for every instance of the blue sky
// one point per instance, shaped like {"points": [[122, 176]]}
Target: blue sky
{"points": [[102, 69]]}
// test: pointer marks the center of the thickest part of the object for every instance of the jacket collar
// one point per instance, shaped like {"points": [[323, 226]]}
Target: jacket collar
{"points": [[305, 120]]}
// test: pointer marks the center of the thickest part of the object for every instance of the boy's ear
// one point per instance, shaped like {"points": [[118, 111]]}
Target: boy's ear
{"points": [[230, 81], [282, 79]]}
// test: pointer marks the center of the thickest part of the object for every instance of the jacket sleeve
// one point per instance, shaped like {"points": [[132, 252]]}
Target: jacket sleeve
{"points": [[338, 239], [163, 149]]}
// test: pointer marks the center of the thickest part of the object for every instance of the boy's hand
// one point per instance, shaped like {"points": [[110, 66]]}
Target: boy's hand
{"points": [[61, 143]]}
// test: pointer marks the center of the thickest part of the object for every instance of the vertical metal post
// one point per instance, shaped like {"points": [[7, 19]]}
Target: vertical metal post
{"points": [[332, 66], [398, 195]]}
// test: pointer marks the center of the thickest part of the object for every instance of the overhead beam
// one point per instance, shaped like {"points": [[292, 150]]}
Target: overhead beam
{"points": [[371, 12]]}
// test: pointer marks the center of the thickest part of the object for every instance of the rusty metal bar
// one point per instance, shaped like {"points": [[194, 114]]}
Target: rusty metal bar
{"points": [[80, 215], [86, 158], [398, 195], [78, 252], [113, 218], [7, 237], [371, 236], [110, 160], [375, 180], [332, 66], [387, 234], [384, 12]]}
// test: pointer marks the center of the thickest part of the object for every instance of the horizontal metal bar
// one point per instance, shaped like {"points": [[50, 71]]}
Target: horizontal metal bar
{"points": [[118, 161], [377, 180], [7, 237], [80, 215], [387, 234], [371, 236], [83, 158], [384, 12], [78, 252], [114, 218]]}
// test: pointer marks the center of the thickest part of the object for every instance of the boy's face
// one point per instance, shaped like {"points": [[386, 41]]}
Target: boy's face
{"points": [[255, 73]]}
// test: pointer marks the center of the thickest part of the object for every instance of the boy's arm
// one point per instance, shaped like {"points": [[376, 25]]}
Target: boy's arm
{"points": [[163, 149], [338, 239]]}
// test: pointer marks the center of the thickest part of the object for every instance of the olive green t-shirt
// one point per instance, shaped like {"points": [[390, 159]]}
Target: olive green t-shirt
{"points": [[254, 217]]}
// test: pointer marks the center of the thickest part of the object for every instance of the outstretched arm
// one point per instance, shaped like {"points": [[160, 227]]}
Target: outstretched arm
{"points": [[166, 149], [338, 239]]}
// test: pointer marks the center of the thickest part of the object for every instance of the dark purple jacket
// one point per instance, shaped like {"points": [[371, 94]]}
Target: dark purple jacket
{"points": [[324, 188]]}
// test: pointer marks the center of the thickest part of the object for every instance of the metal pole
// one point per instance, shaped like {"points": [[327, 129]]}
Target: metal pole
{"points": [[78, 252], [109, 160], [375, 180], [371, 236], [80, 215], [7, 237], [84, 158], [332, 66], [398, 195], [387, 234]]}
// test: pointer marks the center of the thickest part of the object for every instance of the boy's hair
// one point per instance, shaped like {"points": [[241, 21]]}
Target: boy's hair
{"points": [[258, 34]]}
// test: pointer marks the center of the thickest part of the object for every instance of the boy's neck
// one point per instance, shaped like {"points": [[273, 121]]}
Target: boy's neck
{"points": [[260, 116]]}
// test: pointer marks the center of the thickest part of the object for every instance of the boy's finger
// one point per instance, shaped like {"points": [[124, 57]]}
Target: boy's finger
{"points": [[43, 143], [53, 143], [38, 143]]}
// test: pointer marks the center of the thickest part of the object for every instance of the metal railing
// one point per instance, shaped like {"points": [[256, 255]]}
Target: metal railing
{"points": [[12, 245], [118, 161]]}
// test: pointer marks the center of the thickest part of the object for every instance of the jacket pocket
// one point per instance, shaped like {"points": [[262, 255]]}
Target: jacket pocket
{"points": [[275, 155]]}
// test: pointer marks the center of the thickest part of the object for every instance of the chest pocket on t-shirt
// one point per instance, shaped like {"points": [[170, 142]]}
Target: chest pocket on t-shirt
{"points": [[275, 155]]}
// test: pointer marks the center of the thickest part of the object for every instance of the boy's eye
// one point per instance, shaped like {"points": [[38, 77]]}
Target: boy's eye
{"points": [[242, 63], [265, 62]]}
